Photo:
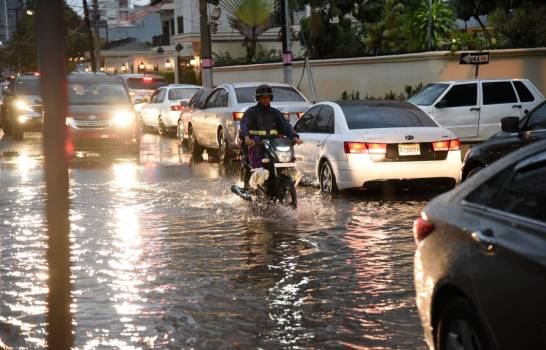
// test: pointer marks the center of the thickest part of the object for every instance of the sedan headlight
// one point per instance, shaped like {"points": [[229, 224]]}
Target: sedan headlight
{"points": [[23, 106], [123, 118], [284, 156], [69, 121]]}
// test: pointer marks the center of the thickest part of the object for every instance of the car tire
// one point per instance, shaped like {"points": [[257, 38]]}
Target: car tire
{"points": [[327, 179], [161, 128], [195, 148], [459, 328], [180, 132], [473, 171], [223, 150]]}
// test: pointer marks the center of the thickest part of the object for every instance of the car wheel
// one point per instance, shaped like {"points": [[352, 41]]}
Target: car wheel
{"points": [[180, 132], [222, 146], [161, 128], [194, 147], [473, 171], [327, 179], [458, 328]]}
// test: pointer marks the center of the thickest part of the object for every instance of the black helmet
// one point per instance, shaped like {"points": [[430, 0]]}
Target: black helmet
{"points": [[264, 90]]}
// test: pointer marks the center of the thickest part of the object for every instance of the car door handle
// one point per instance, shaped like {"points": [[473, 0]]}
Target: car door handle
{"points": [[485, 239], [516, 106], [475, 109]]}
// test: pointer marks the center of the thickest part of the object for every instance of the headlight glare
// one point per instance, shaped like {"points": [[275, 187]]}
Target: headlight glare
{"points": [[123, 118], [284, 157], [22, 106], [69, 120]]}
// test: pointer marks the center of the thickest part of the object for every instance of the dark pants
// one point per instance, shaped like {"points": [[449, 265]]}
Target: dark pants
{"points": [[256, 154]]}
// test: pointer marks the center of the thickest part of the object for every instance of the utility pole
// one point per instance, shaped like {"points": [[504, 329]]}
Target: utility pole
{"points": [[90, 36], [96, 17], [17, 44], [51, 37], [206, 50], [429, 29], [286, 54]]}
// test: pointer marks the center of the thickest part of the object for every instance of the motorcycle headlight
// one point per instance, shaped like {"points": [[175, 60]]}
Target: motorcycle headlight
{"points": [[284, 156], [22, 106], [123, 118]]}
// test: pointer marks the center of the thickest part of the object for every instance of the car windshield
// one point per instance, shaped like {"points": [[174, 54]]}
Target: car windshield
{"points": [[537, 118], [280, 94], [92, 93], [372, 117], [27, 87], [428, 94], [182, 93], [145, 83]]}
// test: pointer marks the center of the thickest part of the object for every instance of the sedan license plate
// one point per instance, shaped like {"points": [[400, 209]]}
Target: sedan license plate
{"points": [[412, 149]]}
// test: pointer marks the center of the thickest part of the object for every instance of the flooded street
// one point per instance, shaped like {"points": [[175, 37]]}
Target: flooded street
{"points": [[164, 256]]}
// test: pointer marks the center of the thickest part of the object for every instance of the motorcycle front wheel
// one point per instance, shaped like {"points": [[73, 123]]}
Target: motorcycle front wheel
{"points": [[288, 195]]}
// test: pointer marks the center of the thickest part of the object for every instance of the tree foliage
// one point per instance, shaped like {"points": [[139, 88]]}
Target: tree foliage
{"points": [[442, 19], [251, 18]]}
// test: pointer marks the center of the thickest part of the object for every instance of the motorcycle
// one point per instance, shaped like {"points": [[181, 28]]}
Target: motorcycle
{"points": [[278, 184]]}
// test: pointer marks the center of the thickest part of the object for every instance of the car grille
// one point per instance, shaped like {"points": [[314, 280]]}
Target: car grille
{"points": [[37, 108], [427, 153], [92, 124]]}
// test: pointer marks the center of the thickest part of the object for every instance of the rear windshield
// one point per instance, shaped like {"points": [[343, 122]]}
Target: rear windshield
{"points": [[145, 83], [428, 94], [373, 117], [97, 93], [280, 94], [27, 87], [181, 93]]}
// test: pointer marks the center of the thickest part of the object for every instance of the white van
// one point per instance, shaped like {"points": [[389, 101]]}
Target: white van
{"points": [[473, 109]]}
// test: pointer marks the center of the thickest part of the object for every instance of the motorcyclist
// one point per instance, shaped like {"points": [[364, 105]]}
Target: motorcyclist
{"points": [[263, 122]]}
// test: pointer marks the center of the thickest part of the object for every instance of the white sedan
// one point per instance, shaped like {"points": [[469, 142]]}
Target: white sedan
{"points": [[163, 110], [357, 143]]}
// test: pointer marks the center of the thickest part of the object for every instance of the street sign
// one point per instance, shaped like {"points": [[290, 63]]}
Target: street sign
{"points": [[474, 58]]}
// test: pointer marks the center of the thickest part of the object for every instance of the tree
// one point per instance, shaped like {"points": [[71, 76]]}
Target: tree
{"points": [[439, 16], [525, 26], [251, 18], [390, 34], [466, 9]]}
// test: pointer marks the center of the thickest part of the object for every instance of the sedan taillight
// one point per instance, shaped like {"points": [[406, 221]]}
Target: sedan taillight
{"points": [[422, 228], [237, 116], [447, 145], [176, 108], [363, 147]]}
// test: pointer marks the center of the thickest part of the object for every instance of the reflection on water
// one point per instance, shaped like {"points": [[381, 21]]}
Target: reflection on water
{"points": [[164, 256]]}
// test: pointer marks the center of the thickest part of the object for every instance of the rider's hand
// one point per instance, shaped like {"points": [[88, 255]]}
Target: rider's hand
{"points": [[298, 141], [250, 142]]}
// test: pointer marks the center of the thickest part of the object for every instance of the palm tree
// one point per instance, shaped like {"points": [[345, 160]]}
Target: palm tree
{"points": [[251, 18], [432, 24]]}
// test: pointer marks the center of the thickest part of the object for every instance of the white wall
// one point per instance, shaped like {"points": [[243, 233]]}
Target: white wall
{"points": [[377, 75]]}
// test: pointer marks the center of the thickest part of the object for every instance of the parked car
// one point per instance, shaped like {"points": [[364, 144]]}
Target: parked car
{"points": [[22, 108], [215, 126], [101, 114], [473, 109], [481, 258], [196, 102], [142, 86], [515, 134], [354, 144], [163, 110]]}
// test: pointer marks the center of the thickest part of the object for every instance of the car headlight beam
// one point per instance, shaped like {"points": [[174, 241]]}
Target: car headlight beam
{"points": [[123, 118], [23, 106]]}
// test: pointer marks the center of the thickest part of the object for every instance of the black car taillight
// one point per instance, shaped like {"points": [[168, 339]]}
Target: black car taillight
{"points": [[422, 228]]}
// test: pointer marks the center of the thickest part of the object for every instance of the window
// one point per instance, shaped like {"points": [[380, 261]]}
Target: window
{"points": [[280, 94], [171, 26], [160, 96], [521, 192], [324, 122], [27, 87], [181, 94], [221, 99], [363, 116], [154, 96], [537, 118], [211, 100], [428, 94], [462, 95], [88, 93], [180, 23], [498, 93], [524, 94], [305, 124]]}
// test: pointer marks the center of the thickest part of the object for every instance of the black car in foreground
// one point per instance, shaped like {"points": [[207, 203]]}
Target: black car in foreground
{"points": [[515, 134], [480, 263]]}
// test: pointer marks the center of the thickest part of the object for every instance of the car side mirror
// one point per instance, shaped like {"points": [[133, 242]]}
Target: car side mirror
{"points": [[441, 104], [510, 124]]}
